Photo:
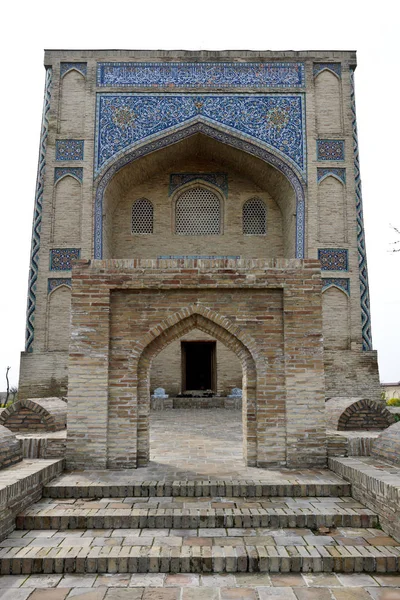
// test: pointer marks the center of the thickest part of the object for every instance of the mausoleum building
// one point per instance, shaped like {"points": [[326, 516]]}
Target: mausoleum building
{"points": [[198, 227]]}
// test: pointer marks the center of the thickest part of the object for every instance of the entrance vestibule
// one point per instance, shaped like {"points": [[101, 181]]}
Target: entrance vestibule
{"points": [[199, 366]]}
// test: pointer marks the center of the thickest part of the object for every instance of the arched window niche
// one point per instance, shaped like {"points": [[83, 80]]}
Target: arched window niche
{"points": [[254, 217], [142, 217], [198, 211]]}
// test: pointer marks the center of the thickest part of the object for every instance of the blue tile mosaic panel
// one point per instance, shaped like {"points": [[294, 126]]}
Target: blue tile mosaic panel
{"points": [[61, 258], [340, 282], [125, 120], [333, 259], [362, 255], [70, 66], [330, 149], [220, 180], [55, 282], [201, 75], [336, 68], [60, 172], [223, 136], [37, 216], [69, 149], [338, 173]]}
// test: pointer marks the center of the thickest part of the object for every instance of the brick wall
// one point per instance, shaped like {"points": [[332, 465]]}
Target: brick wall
{"points": [[10, 448], [125, 312], [387, 445]]}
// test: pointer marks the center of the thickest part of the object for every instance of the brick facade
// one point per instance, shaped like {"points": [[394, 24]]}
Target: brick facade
{"points": [[104, 113], [125, 312]]}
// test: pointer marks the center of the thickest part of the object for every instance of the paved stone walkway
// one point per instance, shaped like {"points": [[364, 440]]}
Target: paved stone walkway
{"points": [[193, 444], [154, 586]]}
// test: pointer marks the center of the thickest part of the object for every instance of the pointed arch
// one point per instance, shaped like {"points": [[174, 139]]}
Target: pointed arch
{"points": [[337, 286], [212, 131], [139, 366], [72, 175], [67, 206], [333, 175]]}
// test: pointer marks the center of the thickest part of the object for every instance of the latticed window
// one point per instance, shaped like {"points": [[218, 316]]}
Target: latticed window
{"points": [[142, 216], [254, 217], [198, 212]]}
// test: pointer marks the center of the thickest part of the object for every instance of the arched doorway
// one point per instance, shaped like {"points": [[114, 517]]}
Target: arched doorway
{"points": [[219, 328]]}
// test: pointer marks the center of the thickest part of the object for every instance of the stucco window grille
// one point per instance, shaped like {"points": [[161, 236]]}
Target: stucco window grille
{"points": [[142, 216], [198, 212], [254, 217]]}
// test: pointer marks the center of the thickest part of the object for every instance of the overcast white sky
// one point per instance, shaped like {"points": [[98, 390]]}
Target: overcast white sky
{"points": [[372, 29]]}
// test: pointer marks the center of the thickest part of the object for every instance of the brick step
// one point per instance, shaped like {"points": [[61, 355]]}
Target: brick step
{"points": [[67, 517], [195, 488], [200, 559]]}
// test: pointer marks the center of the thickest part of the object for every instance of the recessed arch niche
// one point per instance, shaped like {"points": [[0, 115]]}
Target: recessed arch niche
{"points": [[248, 175]]}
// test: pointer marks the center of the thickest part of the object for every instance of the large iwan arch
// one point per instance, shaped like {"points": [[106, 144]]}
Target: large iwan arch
{"points": [[271, 159]]}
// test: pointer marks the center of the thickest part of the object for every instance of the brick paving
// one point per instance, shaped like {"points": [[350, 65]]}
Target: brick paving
{"points": [[185, 586], [189, 445]]}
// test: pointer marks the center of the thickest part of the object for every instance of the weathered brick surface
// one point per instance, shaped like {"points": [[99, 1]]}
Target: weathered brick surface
{"points": [[39, 414], [374, 484], [387, 445], [125, 312], [10, 448], [22, 484]]}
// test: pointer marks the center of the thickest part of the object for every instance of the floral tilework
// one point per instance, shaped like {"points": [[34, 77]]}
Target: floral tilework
{"points": [[330, 149], [201, 75], [69, 149], [69, 66], [225, 137], [336, 68], [274, 120], [218, 179], [341, 282], [55, 282], [333, 259], [323, 172], [60, 172], [61, 258]]}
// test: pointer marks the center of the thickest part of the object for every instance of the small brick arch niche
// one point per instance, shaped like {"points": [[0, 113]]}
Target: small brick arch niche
{"points": [[357, 414], [39, 414]]}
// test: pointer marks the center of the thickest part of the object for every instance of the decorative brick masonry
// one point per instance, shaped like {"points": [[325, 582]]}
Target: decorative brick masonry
{"points": [[40, 414], [124, 312], [10, 448], [356, 414]]}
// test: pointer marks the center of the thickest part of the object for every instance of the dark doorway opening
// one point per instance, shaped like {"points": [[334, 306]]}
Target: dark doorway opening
{"points": [[199, 366]]}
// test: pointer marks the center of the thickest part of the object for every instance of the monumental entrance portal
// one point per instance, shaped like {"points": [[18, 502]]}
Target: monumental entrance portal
{"points": [[126, 312], [198, 208]]}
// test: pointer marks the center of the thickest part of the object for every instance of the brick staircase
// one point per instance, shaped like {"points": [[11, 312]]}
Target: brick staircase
{"points": [[197, 526]]}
